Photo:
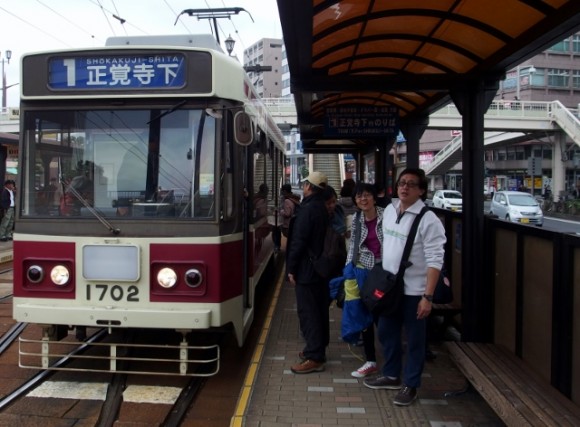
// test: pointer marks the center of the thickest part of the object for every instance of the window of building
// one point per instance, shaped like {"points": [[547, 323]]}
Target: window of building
{"points": [[537, 78], [576, 44], [576, 79], [562, 46], [558, 77]]}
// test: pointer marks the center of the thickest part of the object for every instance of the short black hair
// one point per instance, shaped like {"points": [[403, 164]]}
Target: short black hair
{"points": [[287, 188], [362, 187], [419, 173], [328, 193]]}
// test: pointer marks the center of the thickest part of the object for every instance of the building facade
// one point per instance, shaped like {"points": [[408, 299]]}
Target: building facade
{"points": [[265, 53]]}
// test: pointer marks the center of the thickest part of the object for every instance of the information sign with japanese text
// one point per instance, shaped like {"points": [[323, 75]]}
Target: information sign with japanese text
{"points": [[117, 72], [361, 122]]}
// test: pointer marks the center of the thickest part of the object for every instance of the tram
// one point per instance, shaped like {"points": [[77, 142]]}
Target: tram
{"points": [[147, 175]]}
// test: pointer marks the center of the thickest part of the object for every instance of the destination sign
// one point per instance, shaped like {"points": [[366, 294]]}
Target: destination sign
{"points": [[117, 72], [361, 122]]}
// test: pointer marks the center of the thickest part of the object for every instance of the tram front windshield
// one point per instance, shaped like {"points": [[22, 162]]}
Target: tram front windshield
{"points": [[121, 163]]}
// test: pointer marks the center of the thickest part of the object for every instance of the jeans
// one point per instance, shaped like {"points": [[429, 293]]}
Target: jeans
{"points": [[390, 336]]}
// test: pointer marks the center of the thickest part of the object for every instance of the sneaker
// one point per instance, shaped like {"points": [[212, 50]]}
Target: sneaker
{"points": [[380, 383], [307, 366], [366, 369], [405, 396], [3, 239]]}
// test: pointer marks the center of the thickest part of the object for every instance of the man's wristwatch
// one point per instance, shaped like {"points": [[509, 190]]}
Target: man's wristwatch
{"points": [[428, 297]]}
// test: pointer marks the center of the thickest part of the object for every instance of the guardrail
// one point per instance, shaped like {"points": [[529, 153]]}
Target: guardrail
{"points": [[505, 109], [567, 120]]}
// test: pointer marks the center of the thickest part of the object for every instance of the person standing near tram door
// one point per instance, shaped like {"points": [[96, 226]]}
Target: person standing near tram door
{"points": [[306, 242], [7, 202]]}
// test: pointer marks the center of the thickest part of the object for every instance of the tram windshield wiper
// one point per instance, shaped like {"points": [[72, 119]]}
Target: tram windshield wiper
{"points": [[166, 112], [92, 210]]}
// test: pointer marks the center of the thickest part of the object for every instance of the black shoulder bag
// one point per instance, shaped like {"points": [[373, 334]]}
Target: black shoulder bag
{"points": [[383, 291]]}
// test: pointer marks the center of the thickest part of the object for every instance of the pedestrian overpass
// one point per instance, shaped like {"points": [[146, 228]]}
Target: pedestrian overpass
{"points": [[505, 123]]}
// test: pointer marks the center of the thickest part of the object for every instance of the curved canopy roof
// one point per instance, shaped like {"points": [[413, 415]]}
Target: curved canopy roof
{"points": [[408, 53]]}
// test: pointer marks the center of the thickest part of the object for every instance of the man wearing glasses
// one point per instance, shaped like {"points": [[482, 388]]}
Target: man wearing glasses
{"points": [[420, 280]]}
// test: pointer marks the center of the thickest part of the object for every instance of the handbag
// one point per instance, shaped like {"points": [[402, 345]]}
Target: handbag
{"points": [[383, 291], [443, 293]]}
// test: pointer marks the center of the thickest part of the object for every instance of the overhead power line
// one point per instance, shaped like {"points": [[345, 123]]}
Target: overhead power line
{"points": [[35, 27]]}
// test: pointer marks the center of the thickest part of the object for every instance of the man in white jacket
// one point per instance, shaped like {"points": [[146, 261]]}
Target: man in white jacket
{"points": [[420, 280]]}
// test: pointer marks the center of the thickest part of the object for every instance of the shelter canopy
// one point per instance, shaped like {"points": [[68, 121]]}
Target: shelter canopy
{"points": [[408, 53]]}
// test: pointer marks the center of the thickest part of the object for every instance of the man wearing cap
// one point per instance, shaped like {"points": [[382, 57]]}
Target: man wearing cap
{"points": [[306, 240], [7, 203]]}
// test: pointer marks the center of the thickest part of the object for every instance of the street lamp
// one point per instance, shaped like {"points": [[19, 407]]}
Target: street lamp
{"points": [[230, 44], [8, 55]]}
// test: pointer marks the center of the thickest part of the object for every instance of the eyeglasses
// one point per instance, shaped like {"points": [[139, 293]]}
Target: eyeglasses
{"points": [[410, 184]]}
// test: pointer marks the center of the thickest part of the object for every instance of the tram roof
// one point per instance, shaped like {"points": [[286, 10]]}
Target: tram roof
{"points": [[408, 53]]}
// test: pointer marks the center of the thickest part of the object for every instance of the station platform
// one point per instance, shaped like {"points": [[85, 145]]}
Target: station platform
{"points": [[6, 251], [273, 396]]}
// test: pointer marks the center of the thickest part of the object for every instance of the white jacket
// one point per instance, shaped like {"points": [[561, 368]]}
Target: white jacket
{"points": [[427, 251]]}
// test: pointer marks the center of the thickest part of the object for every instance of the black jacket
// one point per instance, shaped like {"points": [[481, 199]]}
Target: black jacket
{"points": [[307, 231], [5, 201]]}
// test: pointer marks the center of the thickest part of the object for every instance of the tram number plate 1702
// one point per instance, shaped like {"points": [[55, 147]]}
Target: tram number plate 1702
{"points": [[112, 292]]}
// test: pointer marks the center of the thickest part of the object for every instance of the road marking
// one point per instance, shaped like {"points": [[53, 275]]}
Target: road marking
{"points": [[98, 391], [151, 394], [71, 390]]}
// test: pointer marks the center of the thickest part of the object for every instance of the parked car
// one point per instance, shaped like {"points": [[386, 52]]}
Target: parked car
{"points": [[448, 199], [516, 206]]}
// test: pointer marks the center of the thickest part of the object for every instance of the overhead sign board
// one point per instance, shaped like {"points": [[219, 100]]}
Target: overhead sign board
{"points": [[361, 122], [117, 72]]}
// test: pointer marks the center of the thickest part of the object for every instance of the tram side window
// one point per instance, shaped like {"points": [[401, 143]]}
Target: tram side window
{"points": [[228, 166]]}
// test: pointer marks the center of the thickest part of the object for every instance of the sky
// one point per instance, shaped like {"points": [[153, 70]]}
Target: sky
{"points": [[28, 26]]}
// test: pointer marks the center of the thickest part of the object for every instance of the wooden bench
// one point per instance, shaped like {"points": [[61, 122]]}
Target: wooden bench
{"points": [[516, 393]]}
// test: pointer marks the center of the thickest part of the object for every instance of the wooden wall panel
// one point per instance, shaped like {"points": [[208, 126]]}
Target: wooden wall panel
{"points": [[537, 304], [576, 330], [505, 288]]}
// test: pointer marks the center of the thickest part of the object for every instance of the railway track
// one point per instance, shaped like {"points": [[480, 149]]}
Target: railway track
{"points": [[38, 397]]}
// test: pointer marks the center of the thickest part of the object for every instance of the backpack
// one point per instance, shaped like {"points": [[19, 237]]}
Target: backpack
{"points": [[333, 258]]}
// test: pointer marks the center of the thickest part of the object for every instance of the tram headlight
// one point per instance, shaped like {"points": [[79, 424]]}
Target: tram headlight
{"points": [[167, 277], [35, 273], [193, 277], [59, 275]]}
